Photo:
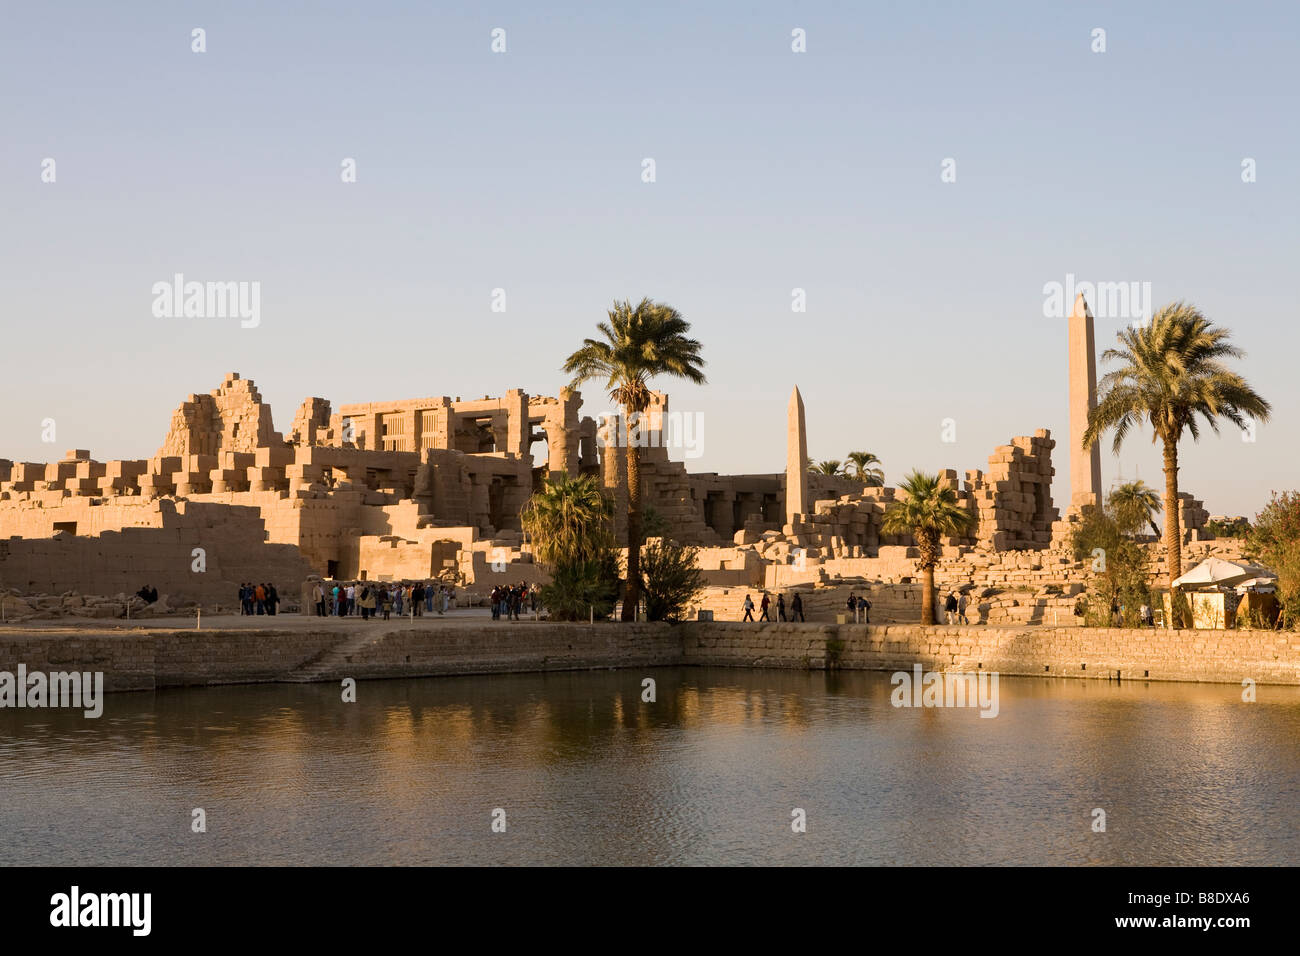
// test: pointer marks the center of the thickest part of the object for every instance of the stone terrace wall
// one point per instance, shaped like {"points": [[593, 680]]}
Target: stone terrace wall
{"points": [[141, 660], [148, 659], [1268, 657]]}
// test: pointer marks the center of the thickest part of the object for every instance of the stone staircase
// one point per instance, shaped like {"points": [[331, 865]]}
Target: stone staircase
{"points": [[333, 660]]}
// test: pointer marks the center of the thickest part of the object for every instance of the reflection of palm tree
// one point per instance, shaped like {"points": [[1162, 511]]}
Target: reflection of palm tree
{"points": [[1171, 371], [1135, 506], [929, 512], [639, 342], [831, 467], [864, 469]]}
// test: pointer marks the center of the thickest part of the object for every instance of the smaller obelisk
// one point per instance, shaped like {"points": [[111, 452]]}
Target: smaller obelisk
{"points": [[796, 459], [1085, 464]]}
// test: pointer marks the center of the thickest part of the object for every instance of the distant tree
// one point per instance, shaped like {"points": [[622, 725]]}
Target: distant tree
{"points": [[1118, 565], [569, 522], [1275, 543], [831, 467], [638, 343], [654, 524], [672, 579], [1171, 371], [1134, 506], [928, 512], [866, 470], [1228, 527]]}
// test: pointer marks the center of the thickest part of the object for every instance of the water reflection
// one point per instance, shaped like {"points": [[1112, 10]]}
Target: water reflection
{"points": [[588, 772]]}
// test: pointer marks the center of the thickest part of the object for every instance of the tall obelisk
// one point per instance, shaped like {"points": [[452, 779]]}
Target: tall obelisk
{"points": [[1085, 464], [796, 459]]}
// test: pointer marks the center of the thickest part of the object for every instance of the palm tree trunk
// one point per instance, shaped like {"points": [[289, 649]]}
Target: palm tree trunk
{"points": [[632, 596], [927, 596], [1173, 530]]}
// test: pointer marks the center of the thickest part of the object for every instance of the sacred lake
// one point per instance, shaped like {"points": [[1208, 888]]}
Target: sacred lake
{"points": [[578, 768]]}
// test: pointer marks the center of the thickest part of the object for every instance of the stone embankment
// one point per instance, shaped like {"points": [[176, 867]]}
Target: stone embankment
{"points": [[142, 659]]}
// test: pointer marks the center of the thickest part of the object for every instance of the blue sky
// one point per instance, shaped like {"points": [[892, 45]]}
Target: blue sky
{"points": [[522, 171]]}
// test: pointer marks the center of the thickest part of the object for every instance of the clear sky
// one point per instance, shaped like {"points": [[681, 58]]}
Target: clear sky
{"points": [[522, 171]]}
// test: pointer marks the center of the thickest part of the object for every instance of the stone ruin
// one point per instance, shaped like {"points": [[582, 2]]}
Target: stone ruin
{"points": [[432, 488]]}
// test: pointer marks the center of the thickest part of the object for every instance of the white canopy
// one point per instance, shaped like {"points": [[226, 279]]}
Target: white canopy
{"points": [[1216, 572]]}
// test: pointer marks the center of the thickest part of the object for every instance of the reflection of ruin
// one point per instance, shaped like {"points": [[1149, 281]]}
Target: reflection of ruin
{"points": [[433, 487]]}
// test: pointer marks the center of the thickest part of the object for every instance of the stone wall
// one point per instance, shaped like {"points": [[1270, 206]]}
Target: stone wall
{"points": [[135, 660], [1267, 657]]}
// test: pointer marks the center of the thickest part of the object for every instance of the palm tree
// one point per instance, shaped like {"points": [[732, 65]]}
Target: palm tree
{"points": [[864, 469], [639, 342], [568, 520], [1170, 372], [832, 467], [928, 512], [1135, 505]]}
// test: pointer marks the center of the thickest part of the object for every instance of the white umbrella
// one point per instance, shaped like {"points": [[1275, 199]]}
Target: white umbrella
{"points": [[1216, 571], [1263, 584]]}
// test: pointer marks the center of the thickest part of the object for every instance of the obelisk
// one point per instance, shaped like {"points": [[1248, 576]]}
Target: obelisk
{"points": [[1085, 464], [796, 459]]}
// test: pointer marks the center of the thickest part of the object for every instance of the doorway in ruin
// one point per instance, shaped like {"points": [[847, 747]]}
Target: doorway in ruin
{"points": [[496, 502]]}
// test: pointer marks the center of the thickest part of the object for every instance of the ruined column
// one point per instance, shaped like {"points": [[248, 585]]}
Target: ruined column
{"points": [[1085, 464], [796, 459], [519, 432]]}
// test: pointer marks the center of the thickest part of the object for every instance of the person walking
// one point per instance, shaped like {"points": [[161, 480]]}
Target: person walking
{"points": [[428, 596], [259, 599], [334, 598], [962, 603], [417, 598], [385, 601], [864, 606], [365, 603], [272, 598], [318, 598], [950, 608], [796, 608], [749, 608], [780, 607], [767, 602]]}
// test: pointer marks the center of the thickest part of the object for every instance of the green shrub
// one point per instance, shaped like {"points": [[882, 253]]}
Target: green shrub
{"points": [[1119, 571], [671, 579], [581, 590], [1275, 542]]}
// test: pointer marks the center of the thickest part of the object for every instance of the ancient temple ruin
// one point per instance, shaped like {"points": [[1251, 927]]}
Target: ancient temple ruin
{"points": [[433, 487]]}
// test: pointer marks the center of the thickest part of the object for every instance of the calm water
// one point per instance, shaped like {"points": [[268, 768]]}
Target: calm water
{"points": [[588, 774]]}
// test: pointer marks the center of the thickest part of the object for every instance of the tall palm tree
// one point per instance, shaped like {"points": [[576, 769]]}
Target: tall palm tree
{"points": [[639, 342], [865, 469], [568, 520], [928, 513], [1135, 505], [832, 467], [1171, 371]]}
